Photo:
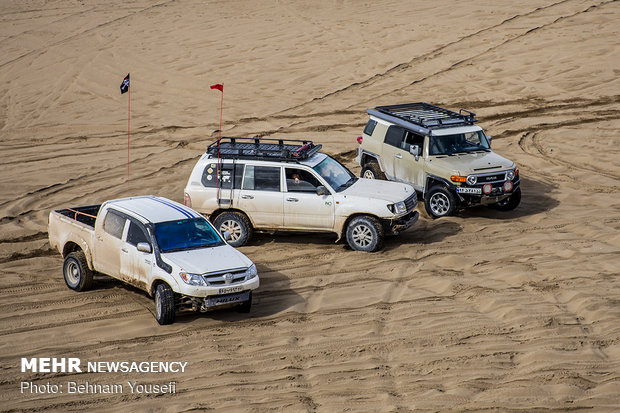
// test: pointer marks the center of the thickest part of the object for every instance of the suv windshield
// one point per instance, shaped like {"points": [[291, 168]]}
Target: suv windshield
{"points": [[458, 143], [336, 175], [186, 234]]}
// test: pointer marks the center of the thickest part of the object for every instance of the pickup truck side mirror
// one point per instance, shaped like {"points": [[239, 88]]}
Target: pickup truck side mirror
{"points": [[321, 190], [144, 247], [227, 236], [489, 139], [415, 151]]}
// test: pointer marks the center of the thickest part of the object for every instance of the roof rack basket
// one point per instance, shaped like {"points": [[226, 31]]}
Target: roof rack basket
{"points": [[263, 149], [429, 116]]}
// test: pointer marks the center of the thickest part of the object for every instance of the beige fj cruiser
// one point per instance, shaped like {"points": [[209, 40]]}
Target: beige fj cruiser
{"points": [[441, 153], [246, 184]]}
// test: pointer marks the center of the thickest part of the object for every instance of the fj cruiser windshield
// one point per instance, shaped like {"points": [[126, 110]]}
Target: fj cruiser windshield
{"points": [[458, 143], [186, 234], [335, 174]]}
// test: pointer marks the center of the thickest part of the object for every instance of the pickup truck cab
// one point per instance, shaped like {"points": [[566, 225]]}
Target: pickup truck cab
{"points": [[246, 184], [443, 154], [157, 245]]}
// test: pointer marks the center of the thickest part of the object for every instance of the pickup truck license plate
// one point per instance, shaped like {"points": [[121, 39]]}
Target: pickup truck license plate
{"points": [[228, 299], [229, 290], [462, 190]]}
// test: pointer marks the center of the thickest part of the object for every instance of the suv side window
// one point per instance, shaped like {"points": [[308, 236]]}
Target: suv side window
{"points": [[370, 127], [300, 180], [114, 223], [226, 175], [412, 138], [136, 234], [262, 178], [394, 136]]}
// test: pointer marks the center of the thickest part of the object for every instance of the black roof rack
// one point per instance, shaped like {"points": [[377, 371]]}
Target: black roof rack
{"points": [[429, 116], [263, 149]]}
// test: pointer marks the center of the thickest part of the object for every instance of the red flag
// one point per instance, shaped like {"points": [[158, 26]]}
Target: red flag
{"points": [[218, 86]]}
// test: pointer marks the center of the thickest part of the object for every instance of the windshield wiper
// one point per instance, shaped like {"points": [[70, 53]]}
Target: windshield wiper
{"points": [[347, 184]]}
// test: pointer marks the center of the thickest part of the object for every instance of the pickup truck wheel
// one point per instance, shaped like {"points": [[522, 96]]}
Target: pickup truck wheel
{"points": [[237, 224], [246, 305], [372, 171], [75, 269], [164, 304], [365, 233], [509, 203], [439, 202]]}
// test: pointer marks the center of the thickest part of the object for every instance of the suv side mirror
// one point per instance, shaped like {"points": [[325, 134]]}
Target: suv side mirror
{"points": [[321, 190], [144, 247], [415, 151], [227, 236], [489, 139]]}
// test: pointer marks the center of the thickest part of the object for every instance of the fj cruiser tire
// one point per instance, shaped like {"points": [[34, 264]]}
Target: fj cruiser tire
{"points": [[237, 224], [164, 304], [509, 203], [372, 171], [365, 233], [246, 306], [439, 202], [75, 269]]}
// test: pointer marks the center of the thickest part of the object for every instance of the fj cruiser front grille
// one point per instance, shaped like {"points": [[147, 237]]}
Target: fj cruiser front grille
{"points": [[491, 178], [411, 201], [226, 277]]}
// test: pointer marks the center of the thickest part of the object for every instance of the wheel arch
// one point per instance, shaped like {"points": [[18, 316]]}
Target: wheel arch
{"points": [[368, 157], [343, 230], [72, 246], [220, 211]]}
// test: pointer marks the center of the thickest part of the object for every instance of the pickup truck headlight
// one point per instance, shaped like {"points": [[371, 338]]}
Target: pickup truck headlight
{"points": [[251, 272], [192, 279], [398, 208]]}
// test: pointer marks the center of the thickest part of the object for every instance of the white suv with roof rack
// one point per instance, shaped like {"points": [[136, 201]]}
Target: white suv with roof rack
{"points": [[246, 184], [441, 153]]}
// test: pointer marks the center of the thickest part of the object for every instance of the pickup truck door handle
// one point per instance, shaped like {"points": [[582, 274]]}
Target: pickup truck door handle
{"points": [[247, 197], [292, 199], [124, 250], [398, 155]]}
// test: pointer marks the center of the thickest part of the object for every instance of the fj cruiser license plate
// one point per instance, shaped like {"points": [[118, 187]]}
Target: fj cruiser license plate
{"points": [[229, 290], [461, 190], [228, 299]]}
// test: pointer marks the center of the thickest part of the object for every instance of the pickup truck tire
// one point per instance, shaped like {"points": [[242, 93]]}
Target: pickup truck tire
{"points": [[164, 304], [237, 224], [372, 171], [246, 306], [509, 203], [439, 202], [365, 233], [75, 269]]}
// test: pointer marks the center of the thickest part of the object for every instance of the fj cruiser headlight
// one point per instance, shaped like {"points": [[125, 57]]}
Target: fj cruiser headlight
{"points": [[192, 279], [472, 179], [510, 175], [251, 272]]}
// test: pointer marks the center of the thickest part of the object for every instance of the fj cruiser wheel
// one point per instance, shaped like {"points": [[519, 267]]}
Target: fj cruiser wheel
{"points": [[246, 305], [439, 202], [372, 171], [75, 269], [164, 304], [237, 224], [509, 203], [365, 233]]}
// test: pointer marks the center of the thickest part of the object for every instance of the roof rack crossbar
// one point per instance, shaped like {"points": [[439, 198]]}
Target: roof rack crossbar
{"points": [[263, 149], [427, 115]]}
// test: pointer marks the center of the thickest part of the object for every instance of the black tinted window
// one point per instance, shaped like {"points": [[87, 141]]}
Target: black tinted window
{"points": [[227, 175], [370, 127], [300, 180], [394, 136], [262, 178], [114, 224], [136, 234]]}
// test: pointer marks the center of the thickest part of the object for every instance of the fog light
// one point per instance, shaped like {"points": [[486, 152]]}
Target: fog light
{"points": [[508, 186], [487, 188]]}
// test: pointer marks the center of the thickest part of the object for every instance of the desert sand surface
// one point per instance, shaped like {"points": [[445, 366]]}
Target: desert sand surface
{"points": [[483, 311]]}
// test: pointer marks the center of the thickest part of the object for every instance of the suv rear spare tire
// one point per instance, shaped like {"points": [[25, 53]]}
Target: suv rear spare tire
{"points": [[235, 223], [365, 233]]}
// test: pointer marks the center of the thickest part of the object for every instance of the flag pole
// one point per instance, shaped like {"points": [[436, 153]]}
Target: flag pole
{"points": [[220, 87], [128, 123]]}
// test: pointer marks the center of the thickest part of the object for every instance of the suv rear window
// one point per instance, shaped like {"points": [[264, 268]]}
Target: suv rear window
{"points": [[226, 176], [370, 127], [394, 136], [262, 178]]}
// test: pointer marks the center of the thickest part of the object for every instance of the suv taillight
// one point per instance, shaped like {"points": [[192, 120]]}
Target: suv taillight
{"points": [[360, 139], [187, 200]]}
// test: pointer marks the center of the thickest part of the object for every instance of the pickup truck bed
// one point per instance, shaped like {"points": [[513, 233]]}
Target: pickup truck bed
{"points": [[85, 214]]}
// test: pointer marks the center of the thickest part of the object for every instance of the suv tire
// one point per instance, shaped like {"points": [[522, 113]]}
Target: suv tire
{"points": [[75, 269], [164, 304], [509, 203], [365, 233], [372, 171], [237, 224], [439, 202]]}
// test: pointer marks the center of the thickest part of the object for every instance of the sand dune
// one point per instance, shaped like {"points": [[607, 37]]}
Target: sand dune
{"points": [[485, 311]]}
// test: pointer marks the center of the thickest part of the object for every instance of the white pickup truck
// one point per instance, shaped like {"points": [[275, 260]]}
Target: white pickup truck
{"points": [[157, 245]]}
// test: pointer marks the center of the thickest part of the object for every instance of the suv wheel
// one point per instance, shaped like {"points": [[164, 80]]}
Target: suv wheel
{"points": [[75, 269], [439, 202], [372, 171], [164, 304], [509, 203], [365, 234], [237, 224]]}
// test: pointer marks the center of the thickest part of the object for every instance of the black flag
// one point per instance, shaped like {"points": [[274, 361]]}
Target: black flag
{"points": [[125, 84]]}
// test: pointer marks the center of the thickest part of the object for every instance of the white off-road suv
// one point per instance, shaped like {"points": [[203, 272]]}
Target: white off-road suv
{"points": [[441, 153], [246, 184]]}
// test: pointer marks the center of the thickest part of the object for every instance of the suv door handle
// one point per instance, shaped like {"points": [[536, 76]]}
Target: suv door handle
{"points": [[292, 199], [247, 197], [124, 250], [398, 155]]}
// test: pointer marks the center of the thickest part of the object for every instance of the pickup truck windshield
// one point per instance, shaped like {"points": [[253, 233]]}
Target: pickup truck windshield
{"points": [[186, 234], [458, 143], [335, 174]]}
